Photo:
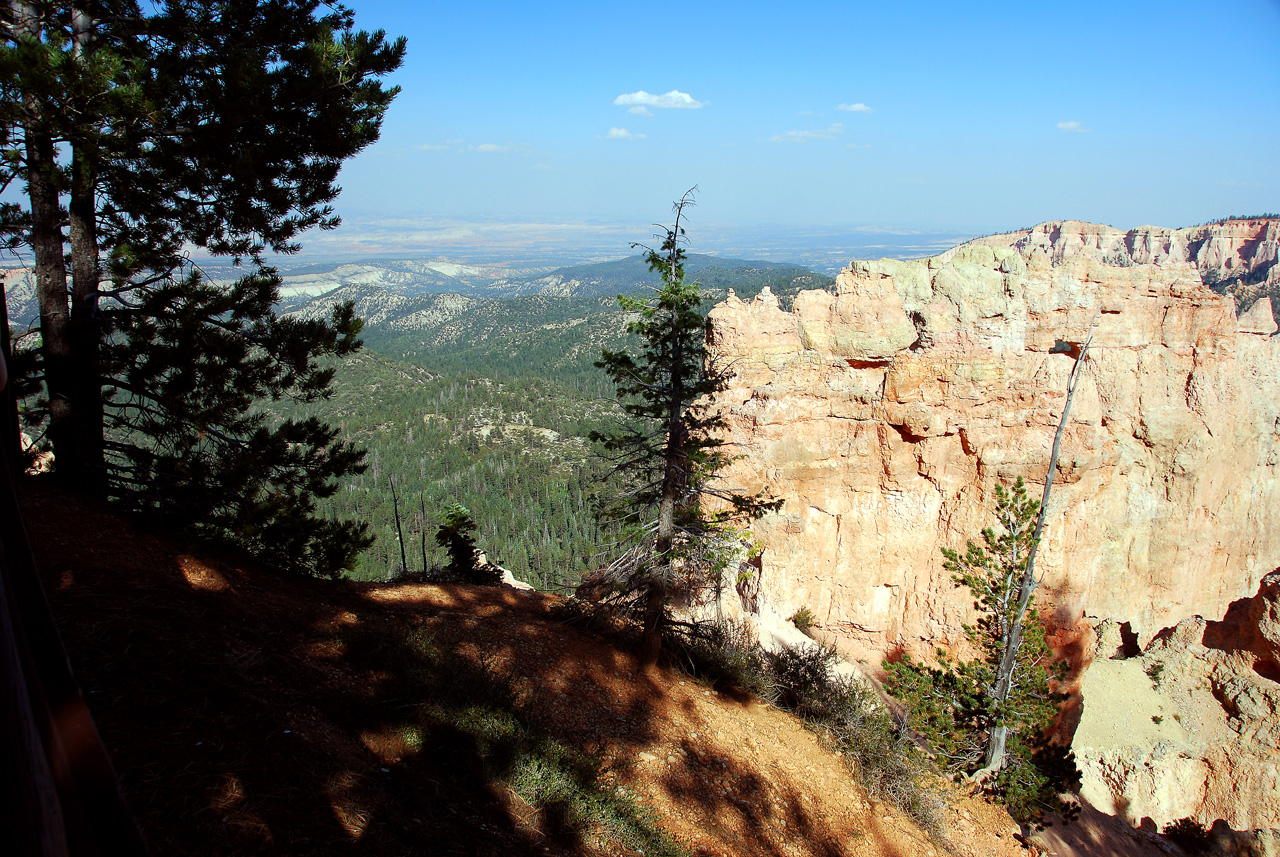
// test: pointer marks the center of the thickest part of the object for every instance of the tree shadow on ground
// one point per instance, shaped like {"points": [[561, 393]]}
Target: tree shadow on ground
{"points": [[249, 713]]}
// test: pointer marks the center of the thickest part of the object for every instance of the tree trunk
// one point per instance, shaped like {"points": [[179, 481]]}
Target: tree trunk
{"points": [[50, 269], [673, 480], [655, 608], [87, 415], [10, 431], [51, 292], [993, 760]]}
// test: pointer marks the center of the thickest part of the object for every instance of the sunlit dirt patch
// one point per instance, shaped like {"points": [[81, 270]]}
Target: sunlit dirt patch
{"points": [[201, 576]]}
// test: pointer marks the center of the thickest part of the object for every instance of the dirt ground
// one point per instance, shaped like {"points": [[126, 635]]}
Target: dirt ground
{"points": [[237, 726]]}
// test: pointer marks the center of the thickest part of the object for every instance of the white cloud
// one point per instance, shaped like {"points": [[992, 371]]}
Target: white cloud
{"points": [[432, 147], [854, 108], [622, 134], [491, 147], [675, 98], [1072, 127], [805, 113], [835, 129], [640, 110]]}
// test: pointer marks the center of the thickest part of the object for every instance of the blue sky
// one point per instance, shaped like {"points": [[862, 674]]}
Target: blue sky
{"points": [[820, 117]]}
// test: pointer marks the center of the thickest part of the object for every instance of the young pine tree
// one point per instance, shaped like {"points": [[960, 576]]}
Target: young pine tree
{"points": [[995, 706], [666, 455], [457, 536]]}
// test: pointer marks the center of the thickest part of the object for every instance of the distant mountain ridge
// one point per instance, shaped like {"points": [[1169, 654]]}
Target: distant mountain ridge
{"points": [[412, 278], [591, 279]]}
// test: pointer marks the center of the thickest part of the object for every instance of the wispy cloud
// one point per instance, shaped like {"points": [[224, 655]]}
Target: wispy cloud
{"points": [[831, 132], [859, 107], [440, 147], [496, 147], [622, 134], [673, 99], [1072, 127], [640, 110]]}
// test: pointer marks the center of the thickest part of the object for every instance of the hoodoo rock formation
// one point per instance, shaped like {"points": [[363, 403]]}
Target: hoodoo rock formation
{"points": [[885, 413]]}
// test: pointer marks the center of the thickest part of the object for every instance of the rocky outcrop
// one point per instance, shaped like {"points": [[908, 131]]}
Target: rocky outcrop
{"points": [[884, 413], [1188, 729], [1236, 257]]}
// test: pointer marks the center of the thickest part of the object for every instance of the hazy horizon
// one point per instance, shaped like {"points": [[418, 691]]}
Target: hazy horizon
{"points": [[573, 242]]}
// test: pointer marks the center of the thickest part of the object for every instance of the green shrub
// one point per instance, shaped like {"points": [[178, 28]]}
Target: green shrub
{"points": [[1189, 835], [991, 717], [804, 620], [726, 654], [455, 536], [1155, 672]]}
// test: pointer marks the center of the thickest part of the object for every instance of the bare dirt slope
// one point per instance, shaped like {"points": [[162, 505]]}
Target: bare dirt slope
{"points": [[253, 714]]}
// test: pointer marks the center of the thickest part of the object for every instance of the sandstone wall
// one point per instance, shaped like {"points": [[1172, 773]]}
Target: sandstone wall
{"points": [[884, 414]]}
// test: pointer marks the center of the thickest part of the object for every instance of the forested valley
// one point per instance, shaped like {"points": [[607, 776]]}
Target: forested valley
{"points": [[489, 402]]}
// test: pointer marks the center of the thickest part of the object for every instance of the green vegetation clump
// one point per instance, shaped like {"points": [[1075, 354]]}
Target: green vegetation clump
{"points": [[456, 536], [1155, 672], [804, 620]]}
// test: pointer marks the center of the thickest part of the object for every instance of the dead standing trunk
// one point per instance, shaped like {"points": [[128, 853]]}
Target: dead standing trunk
{"points": [[997, 737]]}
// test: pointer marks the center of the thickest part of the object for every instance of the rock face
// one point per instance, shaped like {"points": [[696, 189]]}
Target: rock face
{"points": [[884, 414], [1190, 728]]}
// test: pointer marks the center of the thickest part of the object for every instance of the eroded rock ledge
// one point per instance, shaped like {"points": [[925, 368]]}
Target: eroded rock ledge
{"points": [[1188, 728]]}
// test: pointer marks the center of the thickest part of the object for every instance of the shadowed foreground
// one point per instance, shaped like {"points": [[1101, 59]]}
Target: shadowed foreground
{"points": [[253, 714]]}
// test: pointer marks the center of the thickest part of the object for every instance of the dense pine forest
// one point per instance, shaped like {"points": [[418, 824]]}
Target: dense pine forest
{"points": [[515, 454], [490, 405]]}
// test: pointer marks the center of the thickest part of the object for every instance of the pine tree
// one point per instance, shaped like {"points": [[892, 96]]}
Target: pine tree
{"points": [[215, 123], [667, 456], [958, 706], [457, 536]]}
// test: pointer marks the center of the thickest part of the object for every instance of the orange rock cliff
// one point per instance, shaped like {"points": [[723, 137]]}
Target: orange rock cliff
{"points": [[884, 415]]}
